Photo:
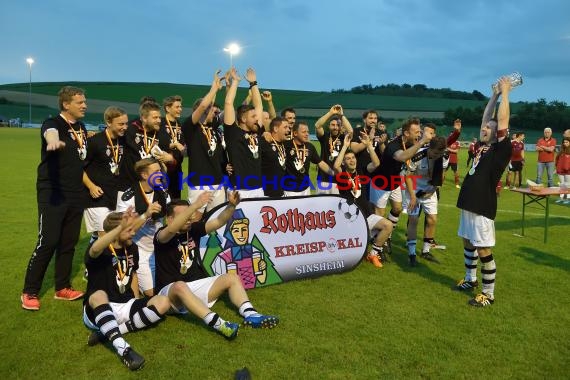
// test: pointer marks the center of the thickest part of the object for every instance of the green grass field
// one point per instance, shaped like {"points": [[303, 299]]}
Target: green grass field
{"points": [[395, 322]]}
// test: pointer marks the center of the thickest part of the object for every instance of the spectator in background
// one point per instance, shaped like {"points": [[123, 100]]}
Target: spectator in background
{"points": [[471, 151], [545, 147], [563, 169], [517, 161], [566, 134]]}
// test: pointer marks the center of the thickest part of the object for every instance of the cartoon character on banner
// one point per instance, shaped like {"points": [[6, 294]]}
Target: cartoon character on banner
{"points": [[250, 261]]}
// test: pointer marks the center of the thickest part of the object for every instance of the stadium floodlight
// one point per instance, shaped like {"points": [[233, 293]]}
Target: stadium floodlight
{"points": [[232, 49], [30, 61]]}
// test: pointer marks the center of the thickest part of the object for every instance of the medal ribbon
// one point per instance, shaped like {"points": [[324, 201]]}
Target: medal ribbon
{"points": [[304, 150], [280, 149], [172, 130], [121, 274], [477, 158], [184, 249], [207, 132], [144, 195], [147, 147], [113, 149], [332, 144], [78, 136]]}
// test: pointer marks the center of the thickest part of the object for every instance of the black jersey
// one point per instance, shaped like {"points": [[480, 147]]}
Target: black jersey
{"points": [[206, 155], [299, 159], [363, 157], [102, 165], [389, 166], [138, 145], [478, 192], [60, 173], [174, 132], [273, 167], [243, 150], [352, 192], [330, 148], [179, 258], [112, 272]]}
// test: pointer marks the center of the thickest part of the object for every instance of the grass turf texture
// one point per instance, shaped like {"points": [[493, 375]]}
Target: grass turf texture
{"points": [[395, 322]]}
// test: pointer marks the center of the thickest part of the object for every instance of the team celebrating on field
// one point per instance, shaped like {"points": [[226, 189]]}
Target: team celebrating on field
{"points": [[143, 260]]}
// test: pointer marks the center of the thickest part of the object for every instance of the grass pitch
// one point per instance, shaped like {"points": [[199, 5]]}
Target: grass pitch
{"points": [[395, 322]]}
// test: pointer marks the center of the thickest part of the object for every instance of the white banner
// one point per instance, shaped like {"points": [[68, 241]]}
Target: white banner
{"points": [[269, 241]]}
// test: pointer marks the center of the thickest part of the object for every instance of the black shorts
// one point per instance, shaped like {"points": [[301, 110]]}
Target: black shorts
{"points": [[515, 166]]}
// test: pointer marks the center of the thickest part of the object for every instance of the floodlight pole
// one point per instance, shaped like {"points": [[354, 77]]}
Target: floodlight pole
{"points": [[30, 61]]}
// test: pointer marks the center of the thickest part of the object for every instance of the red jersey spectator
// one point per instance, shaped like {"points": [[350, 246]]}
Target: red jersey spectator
{"points": [[517, 161], [563, 169], [545, 147]]}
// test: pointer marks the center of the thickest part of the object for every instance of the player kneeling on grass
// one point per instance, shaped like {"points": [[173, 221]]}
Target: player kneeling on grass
{"points": [[180, 274], [111, 306], [352, 192]]}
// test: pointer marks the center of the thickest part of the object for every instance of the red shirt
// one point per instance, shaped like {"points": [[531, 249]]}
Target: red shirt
{"points": [[546, 156], [563, 164], [472, 147], [518, 148], [452, 155]]}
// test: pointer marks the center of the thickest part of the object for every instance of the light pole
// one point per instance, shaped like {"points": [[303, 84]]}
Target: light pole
{"points": [[233, 49], [30, 61]]}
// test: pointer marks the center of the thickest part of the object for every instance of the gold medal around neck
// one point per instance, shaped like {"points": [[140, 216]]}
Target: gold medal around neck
{"points": [[183, 269], [122, 289]]}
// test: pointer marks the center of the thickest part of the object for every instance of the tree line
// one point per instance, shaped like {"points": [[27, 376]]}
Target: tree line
{"points": [[416, 90], [528, 115]]}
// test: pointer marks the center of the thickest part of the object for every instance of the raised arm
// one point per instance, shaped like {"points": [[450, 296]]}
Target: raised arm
{"points": [[504, 109], [251, 77], [207, 100], [337, 166], [166, 234], [319, 125], [374, 159], [266, 95], [404, 155], [128, 219], [489, 109], [345, 122], [229, 109], [224, 216]]}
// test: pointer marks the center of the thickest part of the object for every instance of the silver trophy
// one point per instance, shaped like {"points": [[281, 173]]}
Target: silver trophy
{"points": [[515, 78]]}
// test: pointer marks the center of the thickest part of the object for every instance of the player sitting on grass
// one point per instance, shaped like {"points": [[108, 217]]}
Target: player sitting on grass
{"points": [[180, 274], [111, 305]]}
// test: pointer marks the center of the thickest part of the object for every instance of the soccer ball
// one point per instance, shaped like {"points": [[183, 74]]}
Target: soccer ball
{"points": [[349, 211]]}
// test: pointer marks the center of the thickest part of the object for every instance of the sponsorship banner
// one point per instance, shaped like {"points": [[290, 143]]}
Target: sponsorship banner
{"points": [[270, 241]]}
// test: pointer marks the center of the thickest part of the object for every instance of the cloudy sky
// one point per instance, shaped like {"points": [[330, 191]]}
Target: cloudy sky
{"points": [[294, 44]]}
